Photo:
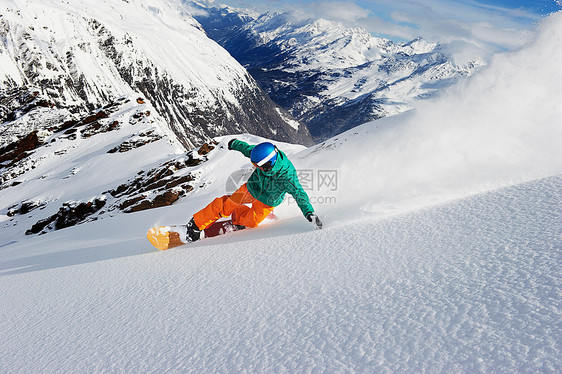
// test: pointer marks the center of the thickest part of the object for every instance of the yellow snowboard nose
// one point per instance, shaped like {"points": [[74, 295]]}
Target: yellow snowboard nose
{"points": [[162, 238]]}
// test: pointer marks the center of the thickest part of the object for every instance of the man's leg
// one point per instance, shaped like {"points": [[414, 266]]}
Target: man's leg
{"points": [[222, 207], [251, 217]]}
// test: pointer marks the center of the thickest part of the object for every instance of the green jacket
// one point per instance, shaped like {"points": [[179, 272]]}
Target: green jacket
{"points": [[270, 187]]}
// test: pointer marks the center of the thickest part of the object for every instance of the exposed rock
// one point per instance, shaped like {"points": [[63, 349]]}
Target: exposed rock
{"points": [[129, 202], [24, 208], [69, 214], [143, 205], [163, 176], [14, 152], [95, 117], [206, 148], [20, 100], [91, 122], [177, 181], [136, 142], [66, 125], [163, 199], [95, 128], [139, 116]]}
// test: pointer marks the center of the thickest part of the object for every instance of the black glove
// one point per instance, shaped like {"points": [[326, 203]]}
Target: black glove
{"points": [[230, 143], [313, 218]]}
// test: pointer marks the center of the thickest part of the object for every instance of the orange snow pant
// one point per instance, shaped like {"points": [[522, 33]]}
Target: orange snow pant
{"points": [[234, 205]]}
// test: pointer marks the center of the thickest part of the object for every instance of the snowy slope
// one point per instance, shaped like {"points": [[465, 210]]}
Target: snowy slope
{"points": [[440, 253], [470, 286]]}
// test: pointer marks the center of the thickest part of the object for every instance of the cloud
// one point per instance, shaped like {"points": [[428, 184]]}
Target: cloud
{"points": [[484, 27], [346, 11]]}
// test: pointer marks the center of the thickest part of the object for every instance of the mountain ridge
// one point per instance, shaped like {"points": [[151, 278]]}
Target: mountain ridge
{"points": [[325, 73], [82, 56]]}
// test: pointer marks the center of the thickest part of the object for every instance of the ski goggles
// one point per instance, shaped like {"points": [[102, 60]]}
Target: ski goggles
{"points": [[265, 167]]}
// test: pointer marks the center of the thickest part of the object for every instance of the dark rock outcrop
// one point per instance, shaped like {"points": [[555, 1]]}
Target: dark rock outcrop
{"points": [[68, 215], [138, 141], [15, 151]]}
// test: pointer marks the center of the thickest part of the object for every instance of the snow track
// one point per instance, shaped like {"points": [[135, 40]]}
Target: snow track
{"points": [[472, 285]]}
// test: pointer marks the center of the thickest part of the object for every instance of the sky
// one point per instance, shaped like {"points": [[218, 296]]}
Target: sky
{"points": [[471, 26]]}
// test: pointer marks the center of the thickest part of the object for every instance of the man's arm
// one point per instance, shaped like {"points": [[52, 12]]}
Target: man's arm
{"points": [[294, 187], [240, 146]]}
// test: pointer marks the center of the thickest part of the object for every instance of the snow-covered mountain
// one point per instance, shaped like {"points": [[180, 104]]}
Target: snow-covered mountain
{"points": [[328, 76], [440, 250], [77, 56]]}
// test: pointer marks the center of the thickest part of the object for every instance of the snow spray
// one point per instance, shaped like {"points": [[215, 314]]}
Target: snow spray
{"points": [[500, 127]]}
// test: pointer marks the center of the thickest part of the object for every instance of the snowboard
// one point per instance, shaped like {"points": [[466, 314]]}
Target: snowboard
{"points": [[166, 237]]}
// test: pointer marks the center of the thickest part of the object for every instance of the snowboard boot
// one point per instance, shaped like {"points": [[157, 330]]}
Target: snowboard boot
{"points": [[230, 227], [193, 232]]}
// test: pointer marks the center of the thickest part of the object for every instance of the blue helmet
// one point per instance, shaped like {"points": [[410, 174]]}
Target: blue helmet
{"points": [[264, 156]]}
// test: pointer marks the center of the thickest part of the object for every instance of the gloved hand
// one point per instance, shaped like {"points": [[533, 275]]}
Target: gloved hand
{"points": [[230, 143], [313, 218]]}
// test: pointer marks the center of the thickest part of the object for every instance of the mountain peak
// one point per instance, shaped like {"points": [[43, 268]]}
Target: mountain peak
{"points": [[84, 55], [333, 77]]}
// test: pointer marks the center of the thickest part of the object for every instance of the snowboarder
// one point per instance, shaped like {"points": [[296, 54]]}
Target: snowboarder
{"points": [[273, 177]]}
